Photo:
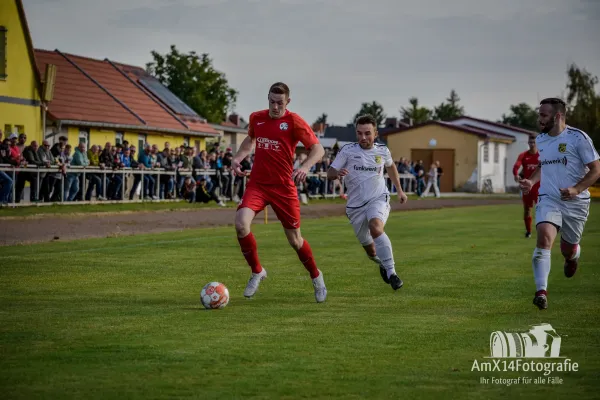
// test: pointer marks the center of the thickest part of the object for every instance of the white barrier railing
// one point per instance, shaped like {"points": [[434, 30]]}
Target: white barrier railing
{"points": [[133, 182]]}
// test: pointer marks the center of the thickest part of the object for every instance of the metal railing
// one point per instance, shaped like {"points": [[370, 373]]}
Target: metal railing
{"points": [[131, 184]]}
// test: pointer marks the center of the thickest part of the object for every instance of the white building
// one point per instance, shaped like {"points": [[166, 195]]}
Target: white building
{"points": [[509, 156]]}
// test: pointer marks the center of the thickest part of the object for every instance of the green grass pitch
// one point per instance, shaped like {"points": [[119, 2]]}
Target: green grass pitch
{"points": [[121, 317]]}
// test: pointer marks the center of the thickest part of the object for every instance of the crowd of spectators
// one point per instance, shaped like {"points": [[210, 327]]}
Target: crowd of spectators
{"points": [[210, 174]]}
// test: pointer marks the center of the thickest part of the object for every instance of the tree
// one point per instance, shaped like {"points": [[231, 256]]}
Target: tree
{"points": [[373, 108], [415, 113], [449, 110], [521, 115], [194, 80], [322, 119], [583, 102]]}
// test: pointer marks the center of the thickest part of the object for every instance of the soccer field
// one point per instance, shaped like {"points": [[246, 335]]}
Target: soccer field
{"points": [[121, 317]]}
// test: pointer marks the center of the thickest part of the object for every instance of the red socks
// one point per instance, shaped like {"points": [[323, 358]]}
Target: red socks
{"points": [[528, 224], [306, 257], [250, 252], [568, 250]]}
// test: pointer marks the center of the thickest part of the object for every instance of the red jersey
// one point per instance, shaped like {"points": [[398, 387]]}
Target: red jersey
{"points": [[276, 141], [529, 162]]}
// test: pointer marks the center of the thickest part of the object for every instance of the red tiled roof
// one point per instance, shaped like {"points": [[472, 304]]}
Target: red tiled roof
{"points": [[98, 91], [77, 98], [230, 124], [482, 133]]}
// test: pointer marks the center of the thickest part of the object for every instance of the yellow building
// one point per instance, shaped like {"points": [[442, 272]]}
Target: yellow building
{"points": [[468, 156], [100, 101], [20, 90], [232, 132]]}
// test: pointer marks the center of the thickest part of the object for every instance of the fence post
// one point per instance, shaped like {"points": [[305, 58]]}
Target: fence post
{"points": [[122, 184], [37, 186], [83, 189], [14, 191], [62, 186]]}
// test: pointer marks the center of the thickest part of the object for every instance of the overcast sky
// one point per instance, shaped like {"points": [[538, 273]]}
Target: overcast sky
{"points": [[336, 54]]}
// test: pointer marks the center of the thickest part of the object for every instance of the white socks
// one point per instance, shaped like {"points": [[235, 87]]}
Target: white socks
{"points": [[383, 247], [541, 267]]}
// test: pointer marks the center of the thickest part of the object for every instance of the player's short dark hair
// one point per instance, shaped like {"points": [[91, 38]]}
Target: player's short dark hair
{"points": [[558, 105], [280, 88], [531, 137], [366, 119]]}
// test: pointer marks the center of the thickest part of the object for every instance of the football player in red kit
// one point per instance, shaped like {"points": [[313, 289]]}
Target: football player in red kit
{"points": [[529, 160], [274, 133]]}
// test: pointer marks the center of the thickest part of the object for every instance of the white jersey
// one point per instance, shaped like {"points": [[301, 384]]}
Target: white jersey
{"points": [[563, 160], [365, 180]]}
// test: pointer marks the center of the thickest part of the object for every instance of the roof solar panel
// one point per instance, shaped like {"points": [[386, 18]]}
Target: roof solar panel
{"points": [[167, 97]]}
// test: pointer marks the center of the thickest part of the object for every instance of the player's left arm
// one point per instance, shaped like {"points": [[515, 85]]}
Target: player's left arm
{"points": [[304, 134], [392, 172], [589, 156]]}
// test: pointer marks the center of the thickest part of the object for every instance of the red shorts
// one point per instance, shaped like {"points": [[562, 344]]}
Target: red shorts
{"points": [[283, 199], [530, 199]]}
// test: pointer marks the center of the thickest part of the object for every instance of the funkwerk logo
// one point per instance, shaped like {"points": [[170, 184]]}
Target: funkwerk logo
{"points": [[537, 350], [562, 161], [367, 169]]}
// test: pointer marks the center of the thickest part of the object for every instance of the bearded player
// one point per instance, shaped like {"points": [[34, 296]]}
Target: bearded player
{"points": [[368, 207], [276, 132], [569, 165], [529, 160]]}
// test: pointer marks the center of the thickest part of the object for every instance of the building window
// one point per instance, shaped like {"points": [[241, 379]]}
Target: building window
{"points": [[84, 137], [496, 153], [3, 52], [19, 129], [119, 138], [186, 141], [486, 153], [7, 130], [141, 143]]}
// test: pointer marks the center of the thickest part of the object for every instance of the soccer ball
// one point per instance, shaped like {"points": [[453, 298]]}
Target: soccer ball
{"points": [[214, 295]]}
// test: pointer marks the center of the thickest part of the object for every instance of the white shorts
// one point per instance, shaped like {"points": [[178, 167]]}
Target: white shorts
{"points": [[568, 216], [360, 217]]}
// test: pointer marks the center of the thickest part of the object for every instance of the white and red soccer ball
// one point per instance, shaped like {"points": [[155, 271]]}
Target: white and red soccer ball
{"points": [[214, 295]]}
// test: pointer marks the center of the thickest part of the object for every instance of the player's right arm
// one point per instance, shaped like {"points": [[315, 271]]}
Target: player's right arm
{"points": [[527, 184], [245, 148], [336, 169], [517, 166]]}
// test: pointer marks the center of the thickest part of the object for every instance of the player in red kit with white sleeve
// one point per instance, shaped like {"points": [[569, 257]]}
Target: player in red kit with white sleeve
{"points": [[275, 133], [529, 160]]}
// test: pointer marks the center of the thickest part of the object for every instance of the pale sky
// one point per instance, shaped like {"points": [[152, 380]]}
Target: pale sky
{"points": [[336, 54]]}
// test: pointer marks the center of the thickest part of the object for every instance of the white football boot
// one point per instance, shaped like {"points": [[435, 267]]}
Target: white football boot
{"points": [[253, 283], [320, 289]]}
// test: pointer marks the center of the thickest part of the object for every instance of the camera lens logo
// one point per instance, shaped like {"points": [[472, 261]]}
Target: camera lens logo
{"points": [[541, 341]]}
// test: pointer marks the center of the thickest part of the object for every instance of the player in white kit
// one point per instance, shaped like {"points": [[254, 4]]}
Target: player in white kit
{"points": [[569, 165], [362, 165]]}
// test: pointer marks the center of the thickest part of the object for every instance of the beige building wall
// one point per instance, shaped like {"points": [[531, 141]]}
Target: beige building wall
{"points": [[464, 145]]}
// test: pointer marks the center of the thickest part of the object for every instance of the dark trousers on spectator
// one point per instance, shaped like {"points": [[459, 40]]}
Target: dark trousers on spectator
{"points": [[203, 196], [6, 184], [57, 193], [148, 186], [23, 177], [114, 187], [71, 186], [166, 186], [189, 196], [94, 182], [420, 186]]}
